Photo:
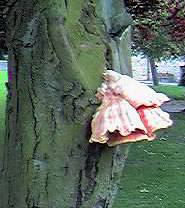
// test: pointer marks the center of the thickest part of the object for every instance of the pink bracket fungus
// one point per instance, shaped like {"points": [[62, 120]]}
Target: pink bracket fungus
{"points": [[129, 111]]}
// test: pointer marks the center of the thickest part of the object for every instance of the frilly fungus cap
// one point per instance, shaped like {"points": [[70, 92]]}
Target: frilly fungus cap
{"points": [[129, 111]]}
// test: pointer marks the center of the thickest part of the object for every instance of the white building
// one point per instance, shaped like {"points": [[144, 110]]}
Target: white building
{"points": [[139, 67]]}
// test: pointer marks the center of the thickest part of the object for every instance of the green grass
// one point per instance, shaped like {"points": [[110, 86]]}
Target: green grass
{"points": [[3, 79], [176, 92], [154, 175]]}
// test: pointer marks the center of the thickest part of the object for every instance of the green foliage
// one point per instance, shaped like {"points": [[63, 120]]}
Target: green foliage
{"points": [[2, 56], [154, 32], [154, 175]]}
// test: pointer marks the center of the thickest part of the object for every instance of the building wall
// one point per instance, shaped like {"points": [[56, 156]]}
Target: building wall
{"points": [[139, 67]]}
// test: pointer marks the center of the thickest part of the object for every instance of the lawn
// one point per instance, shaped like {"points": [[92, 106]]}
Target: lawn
{"points": [[176, 92], [3, 79], [154, 175]]}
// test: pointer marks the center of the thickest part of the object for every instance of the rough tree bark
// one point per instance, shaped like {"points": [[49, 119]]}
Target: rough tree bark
{"points": [[57, 53], [154, 71], [118, 32]]}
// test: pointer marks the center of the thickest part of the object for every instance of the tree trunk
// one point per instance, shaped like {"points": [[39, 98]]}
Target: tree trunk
{"points": [[118, 35], [154, 71], [148, 68], [56, 58], [182, 77]]}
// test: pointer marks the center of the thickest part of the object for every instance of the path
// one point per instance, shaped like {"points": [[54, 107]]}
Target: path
{"points": [[174, 106]]}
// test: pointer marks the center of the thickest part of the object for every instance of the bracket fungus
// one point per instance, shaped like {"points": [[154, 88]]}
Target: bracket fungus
{"points": [[129, 111]]}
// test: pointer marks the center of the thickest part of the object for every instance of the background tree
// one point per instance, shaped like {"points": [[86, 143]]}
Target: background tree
{"points": [[158, 27], [57, 51], [3, 10]]}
